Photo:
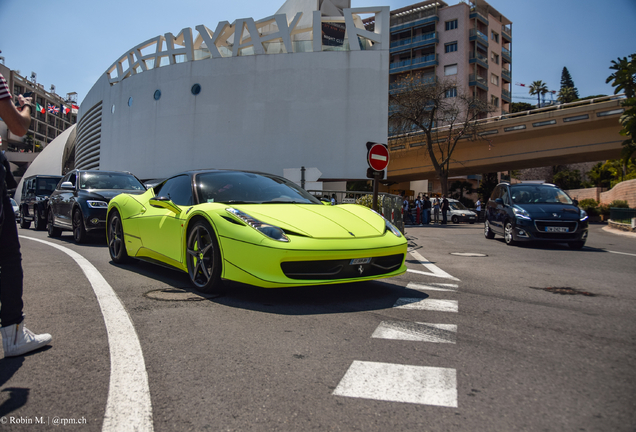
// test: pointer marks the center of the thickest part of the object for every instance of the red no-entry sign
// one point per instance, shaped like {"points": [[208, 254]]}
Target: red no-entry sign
{"points": [[378, 157]]}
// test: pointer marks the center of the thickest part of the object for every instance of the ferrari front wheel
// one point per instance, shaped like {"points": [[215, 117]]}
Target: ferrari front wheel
{"points": [[115, 236], [203, 258]]}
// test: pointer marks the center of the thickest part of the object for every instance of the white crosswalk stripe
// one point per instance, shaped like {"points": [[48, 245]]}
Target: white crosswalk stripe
{"points": [[400, 383], [427, 304], [433, 287], [420, 332]]}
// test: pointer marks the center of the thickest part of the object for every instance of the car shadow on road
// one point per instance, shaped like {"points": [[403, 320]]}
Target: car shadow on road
{"points": [[305, 300]]}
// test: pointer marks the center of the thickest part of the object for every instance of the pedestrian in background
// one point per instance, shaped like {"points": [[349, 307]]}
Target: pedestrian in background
{"points": [[406, 210], [478, 209], [436, 209], [445, 208], [16, 339], [427, 210], [418, 209]]}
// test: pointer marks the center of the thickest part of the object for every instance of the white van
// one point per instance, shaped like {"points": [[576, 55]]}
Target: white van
{"points": [[459, 213]]}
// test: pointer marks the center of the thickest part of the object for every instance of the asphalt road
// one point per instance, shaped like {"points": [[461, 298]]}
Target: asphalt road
{"points": [[537, 338]]}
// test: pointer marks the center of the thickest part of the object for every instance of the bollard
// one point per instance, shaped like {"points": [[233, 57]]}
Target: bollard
{"points": [[634, 223]]}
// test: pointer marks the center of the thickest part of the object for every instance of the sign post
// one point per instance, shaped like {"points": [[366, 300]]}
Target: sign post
{"points": [[378, 159]]}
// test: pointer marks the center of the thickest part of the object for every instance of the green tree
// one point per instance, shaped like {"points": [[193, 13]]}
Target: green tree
{"points": [[600, 175], [441, 112], [520, 107], [567, 179], [566, 82], [538, 88], [567, 95], [487, 185], [462, 186], [624, 80]]}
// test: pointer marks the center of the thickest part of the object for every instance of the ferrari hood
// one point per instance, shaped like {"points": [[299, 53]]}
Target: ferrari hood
{"points": [[319, 221]]}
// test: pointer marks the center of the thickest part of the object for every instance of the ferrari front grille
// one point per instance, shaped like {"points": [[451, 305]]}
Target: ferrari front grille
{"points": [[341, 269]]}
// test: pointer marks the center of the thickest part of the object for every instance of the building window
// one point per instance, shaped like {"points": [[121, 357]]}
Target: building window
{"points": [[452, 92], [450, 70], [494, 36], [495, 58], [494, 100], [451, 25], [494, 79], [450, 47]]}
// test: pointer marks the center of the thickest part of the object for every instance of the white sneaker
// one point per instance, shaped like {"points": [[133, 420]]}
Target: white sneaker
{"points": [[18, 340]]}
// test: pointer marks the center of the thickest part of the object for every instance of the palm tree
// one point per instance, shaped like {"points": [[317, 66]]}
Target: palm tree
{"points": [[538, 88]]}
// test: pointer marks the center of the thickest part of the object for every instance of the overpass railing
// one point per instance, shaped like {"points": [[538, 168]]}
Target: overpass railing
{"points": [[536, 111]]}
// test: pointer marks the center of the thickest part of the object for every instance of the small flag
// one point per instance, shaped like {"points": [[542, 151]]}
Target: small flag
{"points": [[74, 109], [520, 84], [53, 109], [65, 109], [39, 108]]}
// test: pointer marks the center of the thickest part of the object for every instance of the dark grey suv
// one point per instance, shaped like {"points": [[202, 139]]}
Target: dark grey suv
{"points": [[535, 212]]}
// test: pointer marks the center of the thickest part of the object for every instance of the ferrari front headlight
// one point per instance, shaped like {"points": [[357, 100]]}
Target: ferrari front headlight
{"points": [[271, 231], [389, 226]]}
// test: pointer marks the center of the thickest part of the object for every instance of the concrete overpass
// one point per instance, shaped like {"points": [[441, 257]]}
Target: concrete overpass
{"points": [[585, 131]]}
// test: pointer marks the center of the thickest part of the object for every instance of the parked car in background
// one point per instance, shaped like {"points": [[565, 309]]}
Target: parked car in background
{"points": [[16, 208], [535, 212], [34, 200], [458, 212], [80, 201]]}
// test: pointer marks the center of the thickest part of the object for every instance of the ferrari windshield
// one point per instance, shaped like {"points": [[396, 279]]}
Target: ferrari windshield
{"points": [[249, 188], [110, 180], [538, 194]]}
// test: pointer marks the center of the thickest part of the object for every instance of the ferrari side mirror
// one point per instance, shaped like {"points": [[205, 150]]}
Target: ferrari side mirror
{"points": [[165, 203]]}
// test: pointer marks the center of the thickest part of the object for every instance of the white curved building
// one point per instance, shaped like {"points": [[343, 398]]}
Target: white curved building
{"points": [[282, 92]]}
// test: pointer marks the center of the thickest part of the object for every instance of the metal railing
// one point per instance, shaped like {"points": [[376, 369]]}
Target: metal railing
{"points": [[389, 205], [622, 215]]}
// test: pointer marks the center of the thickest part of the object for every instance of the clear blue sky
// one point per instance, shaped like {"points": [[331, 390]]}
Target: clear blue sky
{"points": [[70, 43]]}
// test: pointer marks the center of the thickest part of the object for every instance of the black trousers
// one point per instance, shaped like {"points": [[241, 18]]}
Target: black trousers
{"points": [[10, 269]]}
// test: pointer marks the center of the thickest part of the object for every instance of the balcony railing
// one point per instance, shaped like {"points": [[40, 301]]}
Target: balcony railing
{"points": [[479, 13], [506, 75], [505, 94], [476, 34], [408, 16], [506, 30], [479, 58], [506, 54], [414, 40], [407, 84], [417, 62], [479, 81]]}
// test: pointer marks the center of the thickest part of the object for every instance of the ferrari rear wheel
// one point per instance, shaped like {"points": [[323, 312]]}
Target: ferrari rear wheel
{"points": [[204, 258], [116, 245]]}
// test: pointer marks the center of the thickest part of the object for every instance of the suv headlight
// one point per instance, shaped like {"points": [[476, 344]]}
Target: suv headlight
{"points": [[583, 215], [389, 226], [271, 231], [97, 204], [521, 213]]}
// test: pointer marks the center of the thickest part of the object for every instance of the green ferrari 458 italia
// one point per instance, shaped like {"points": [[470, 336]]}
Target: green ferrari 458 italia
{"points": [[252, 228]]}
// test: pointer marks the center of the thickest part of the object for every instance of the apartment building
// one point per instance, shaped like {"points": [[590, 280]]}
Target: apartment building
{"points": [[471, 43], [50, 116], [59, 113]]}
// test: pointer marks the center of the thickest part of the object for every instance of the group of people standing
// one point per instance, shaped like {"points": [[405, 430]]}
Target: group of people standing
{"points": [[424, 206]]}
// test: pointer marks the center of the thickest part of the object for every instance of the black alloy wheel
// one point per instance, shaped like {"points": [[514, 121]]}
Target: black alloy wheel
{"points": [[203, 258], [53, 232], [487, 231], [25, 224], [115, 235], [79, 232], [40, 223], [508, 230]]}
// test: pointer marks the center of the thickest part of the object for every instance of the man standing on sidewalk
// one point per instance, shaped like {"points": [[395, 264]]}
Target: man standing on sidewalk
{"points": [[16, 339]]}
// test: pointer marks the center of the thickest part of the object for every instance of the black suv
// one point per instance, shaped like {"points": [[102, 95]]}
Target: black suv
{"points": [[34, 200], [80, 201], [535, 212]]}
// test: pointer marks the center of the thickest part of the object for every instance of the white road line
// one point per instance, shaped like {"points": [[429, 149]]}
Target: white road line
{"points": [[427, 304], [433, 269], [128, 406], [400, 383], [432, 287], [419, 332], [621, 253]]}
